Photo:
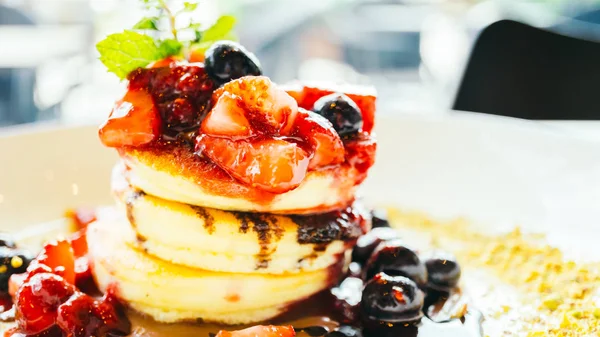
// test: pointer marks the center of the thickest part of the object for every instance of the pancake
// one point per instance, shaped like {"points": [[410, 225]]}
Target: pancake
{"points": [[232, 241], [172, 293], [173, 172]]}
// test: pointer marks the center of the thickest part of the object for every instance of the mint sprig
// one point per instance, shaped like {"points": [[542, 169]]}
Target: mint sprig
{"points": [[129, 50]]}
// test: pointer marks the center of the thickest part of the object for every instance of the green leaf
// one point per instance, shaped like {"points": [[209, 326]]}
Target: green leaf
{"points": [[147, 24], [170, 47], [189, 6], [124, 52], [219, 30]]}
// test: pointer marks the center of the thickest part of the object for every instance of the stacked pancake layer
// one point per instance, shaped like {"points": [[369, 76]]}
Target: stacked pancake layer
{"points": [[179, 261]]}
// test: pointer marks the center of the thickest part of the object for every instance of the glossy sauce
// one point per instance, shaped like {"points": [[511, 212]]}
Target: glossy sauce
{"points": [[314, 318]]}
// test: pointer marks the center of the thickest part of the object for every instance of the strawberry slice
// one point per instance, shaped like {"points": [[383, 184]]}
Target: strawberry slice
{"points": [[59, 256], [272, 165], [326, 144], [360, 153], [260, 331], [365, 97], [227, 118], [83, 271], [133, 121], [268, 109]]}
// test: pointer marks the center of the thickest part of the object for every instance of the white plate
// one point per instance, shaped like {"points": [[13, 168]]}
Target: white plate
{"points": [[499, 172]]}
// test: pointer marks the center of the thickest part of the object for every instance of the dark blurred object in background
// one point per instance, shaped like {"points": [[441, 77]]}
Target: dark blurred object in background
{"points": [[16, 84], [520, 71]]}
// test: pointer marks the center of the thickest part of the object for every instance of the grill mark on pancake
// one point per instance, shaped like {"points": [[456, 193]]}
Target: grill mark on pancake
{"points": [[267, 230], [322, 229], [129, 204], [209, 220]]}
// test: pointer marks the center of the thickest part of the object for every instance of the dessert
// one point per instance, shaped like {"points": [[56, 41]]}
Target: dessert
{"points": [[235, 204]]}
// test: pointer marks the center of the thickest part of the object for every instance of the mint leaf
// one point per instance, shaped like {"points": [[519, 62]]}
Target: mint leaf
{"points": [[124, 52], [147, 24], [170, 47], [219, 30], [189, 6]]}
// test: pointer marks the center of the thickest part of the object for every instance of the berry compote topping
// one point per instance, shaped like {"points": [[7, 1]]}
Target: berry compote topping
{"points": [[181, 93], [47, 302], [228, 60], [392, 299], [394, 258]]}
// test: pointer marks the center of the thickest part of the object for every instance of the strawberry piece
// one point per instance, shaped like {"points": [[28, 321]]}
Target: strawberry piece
{"points": [[268, 109], [360, 153], [59, 256], [260, 331], [365, 97], [272, 165], [38, 299], [82, 316], [133, 121], [227, 118], [326, 144], [83, 271]]}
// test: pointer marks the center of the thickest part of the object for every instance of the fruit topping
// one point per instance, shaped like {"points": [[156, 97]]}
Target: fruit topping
{"points": [[360, 153], [325, 144], [273, 165], [380, 218], [267, 109], [82, 316], [364, 97], [59, 257], [260, 331], [443, 271], [366, 244], [347, 298], [227, 60], [182, 93], [12, 261], [342, 112], [395, 259], [391, 299], [38, 299], [134, 121]]}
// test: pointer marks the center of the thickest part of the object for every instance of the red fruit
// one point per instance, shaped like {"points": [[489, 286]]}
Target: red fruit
{"points": [[273, 165], [261, 331], [80, 250], [326, 144], [59, 256], [134, 121], [227, 118], [365, 97], [360, 153], [268, 109], [38, 299]]}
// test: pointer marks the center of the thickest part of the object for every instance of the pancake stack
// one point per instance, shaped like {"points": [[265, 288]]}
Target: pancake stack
{"points": [[188, 241]]}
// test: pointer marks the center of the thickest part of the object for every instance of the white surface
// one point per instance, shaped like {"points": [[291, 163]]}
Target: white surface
{"points": [[500, 172]]}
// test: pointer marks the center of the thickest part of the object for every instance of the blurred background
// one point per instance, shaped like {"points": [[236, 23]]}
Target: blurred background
{"points": [[416, 52]]}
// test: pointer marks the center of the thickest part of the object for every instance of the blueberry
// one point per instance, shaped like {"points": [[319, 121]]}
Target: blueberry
{"points": [[347, 299], [12, 261], [391, 299], [394, 258], [379, 217], [226, 60], [6, 240], [342, 112], [365, 245], [443, 271]]}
